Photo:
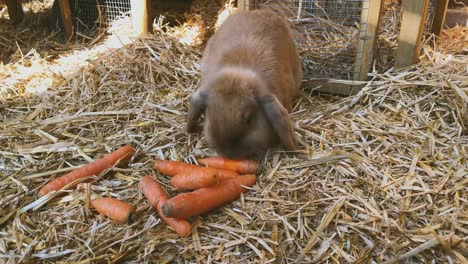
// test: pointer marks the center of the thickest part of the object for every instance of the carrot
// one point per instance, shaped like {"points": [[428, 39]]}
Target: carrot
{"points": [[226, 174], [206, 199], [115, 209], [156, 195], [93, 168], [172, 167], [239, 166], [195, 179]]}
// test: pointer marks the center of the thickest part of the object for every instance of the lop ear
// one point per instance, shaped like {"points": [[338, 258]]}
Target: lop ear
{"points": [[278, 117], [195, 110]]}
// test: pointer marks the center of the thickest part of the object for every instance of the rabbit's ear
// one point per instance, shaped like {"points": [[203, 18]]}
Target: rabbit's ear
{"points": [[278, 117], [196, 108]]}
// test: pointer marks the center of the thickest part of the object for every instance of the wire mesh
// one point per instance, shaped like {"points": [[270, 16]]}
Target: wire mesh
{"points": [[430, 16], [326, 32], [113, 9], [88, 15]]}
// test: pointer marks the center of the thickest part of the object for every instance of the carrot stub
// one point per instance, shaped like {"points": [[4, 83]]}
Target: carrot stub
{"points": [[239, 166], [115, 209], [206, 199], [121, 155], [156, 195]]}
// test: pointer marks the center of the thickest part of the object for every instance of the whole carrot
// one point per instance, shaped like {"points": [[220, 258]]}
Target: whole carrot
{"points": [[156, 195], [195, 179], [115, 209], [239, 166], [93, 168], [172, 167], [206, 199]]}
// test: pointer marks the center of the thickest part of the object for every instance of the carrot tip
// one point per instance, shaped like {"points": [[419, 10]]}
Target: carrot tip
{"points": [[166, 209]]}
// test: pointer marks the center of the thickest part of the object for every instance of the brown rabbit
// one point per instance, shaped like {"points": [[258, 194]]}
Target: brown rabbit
{"points": [[251, 72]]}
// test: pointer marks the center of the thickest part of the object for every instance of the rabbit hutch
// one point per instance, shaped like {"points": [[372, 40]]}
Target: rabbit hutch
{"points": [[380, 176], [338, 39]]}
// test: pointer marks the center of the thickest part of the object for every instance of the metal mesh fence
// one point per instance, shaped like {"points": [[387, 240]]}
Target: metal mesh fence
{"points": [[88, 15], [326, 32], [430, 16], [113, 9]]}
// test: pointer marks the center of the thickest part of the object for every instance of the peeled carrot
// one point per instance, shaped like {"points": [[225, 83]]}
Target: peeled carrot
{"points": [[93, 168], [172, 168], [195, 179], [239, 166], [206, 199], [156, 195], [115, 209], [226, 174]]}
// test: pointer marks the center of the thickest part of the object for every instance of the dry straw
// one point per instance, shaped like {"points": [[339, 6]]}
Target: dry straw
{"points": [[381, 177]]}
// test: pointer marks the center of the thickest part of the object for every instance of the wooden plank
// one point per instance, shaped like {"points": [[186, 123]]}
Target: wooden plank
{"points": [[370, 18], [65, 12], [15, 10], [140, 16], [412, 24], [245, 4], [333, 86], [439, 16], [149, 15]]}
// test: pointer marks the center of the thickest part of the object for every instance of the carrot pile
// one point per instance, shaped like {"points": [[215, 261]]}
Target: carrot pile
{"points": [[221, 182], [192, 177], [216, 183]]}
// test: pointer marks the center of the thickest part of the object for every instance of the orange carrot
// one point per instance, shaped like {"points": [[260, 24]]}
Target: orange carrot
{"points": [[172, 168], [156, 195], [94, 168], [195, 179], [115, 209], [239, 166], [226, 174], [206, 199]]}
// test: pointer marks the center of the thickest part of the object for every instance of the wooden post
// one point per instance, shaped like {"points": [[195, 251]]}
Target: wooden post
{"points": [[245, 4], [149, 16], [65, 12], [439, 16], [412, 24], [15, 10], [369, 26], [140, 16]]}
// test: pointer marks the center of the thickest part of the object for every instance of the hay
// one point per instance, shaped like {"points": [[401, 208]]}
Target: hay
{"points": [[327, 36], [332, 53], [381, 176]]}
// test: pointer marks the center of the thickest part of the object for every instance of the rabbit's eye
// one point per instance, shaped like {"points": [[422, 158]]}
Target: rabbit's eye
{"points": [[246, 117], [249, 118]]}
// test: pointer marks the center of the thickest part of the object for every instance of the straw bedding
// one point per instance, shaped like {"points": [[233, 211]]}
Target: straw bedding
{"points": [[381, 176]]}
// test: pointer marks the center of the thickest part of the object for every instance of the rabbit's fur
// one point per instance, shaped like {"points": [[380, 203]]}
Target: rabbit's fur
{"points": [[251, 73]]}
